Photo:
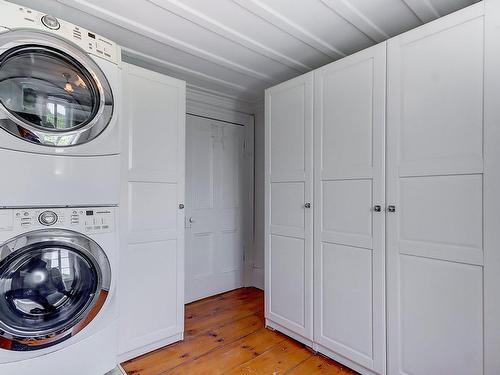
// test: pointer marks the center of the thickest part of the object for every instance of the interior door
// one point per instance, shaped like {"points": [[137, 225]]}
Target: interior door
{"points": [[435, 197], [151, 287], [349, 252], [215, 168], [288, 220]]}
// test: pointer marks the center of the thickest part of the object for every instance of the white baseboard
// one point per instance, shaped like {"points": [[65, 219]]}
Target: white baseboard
{"points": [[149, 348]]}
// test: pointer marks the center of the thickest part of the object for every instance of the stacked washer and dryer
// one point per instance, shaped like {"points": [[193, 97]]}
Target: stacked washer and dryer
{"points": [[59, 194]]}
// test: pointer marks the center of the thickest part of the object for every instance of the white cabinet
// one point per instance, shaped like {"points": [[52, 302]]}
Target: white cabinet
{"points": [[436, 181], [151, 292], [419, 279], [349, 222], [288, 298]]}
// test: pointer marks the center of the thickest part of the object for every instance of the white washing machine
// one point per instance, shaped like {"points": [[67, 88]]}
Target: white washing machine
{"points": [[60, 88], [57, 282]]}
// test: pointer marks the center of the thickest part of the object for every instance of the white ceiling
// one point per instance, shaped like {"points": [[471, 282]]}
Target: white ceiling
{"points": [[240, 47]]}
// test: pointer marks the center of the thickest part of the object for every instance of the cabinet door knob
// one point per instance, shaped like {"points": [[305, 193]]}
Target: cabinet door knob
{"points": [[391, 208], [181, 206], [307, 205], [377, 208]]}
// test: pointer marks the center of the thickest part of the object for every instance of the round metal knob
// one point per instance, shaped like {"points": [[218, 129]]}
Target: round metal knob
{"points": [[51, 22], [47, 218], [377, 208], [191, 220], [391, 208], [181, 206], [307, 205]]}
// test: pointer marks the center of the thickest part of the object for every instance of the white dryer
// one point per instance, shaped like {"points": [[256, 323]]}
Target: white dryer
{"points": [[60, 88], [57, 282]]}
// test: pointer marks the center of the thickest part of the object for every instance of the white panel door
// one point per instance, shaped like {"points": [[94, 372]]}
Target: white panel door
{"points": [[215, 172], [435, 197], [349, 223], [288, 248], [151, 290]]}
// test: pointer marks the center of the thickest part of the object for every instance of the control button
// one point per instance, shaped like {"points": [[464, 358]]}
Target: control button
{"points": [[105, 226], [26, 213], [88, 228], [51, 22], [47, 218], [97, 227]]}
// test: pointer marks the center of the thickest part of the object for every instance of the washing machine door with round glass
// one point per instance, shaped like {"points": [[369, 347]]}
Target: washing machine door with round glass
{"points": [[53, 283], [52, 92]]}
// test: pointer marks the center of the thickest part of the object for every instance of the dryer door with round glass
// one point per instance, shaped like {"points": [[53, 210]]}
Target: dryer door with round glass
{"points": [[51, 92], [53, 283]]}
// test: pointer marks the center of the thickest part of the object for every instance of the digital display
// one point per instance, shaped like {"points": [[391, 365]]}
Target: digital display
{"points": [[89, 213]]}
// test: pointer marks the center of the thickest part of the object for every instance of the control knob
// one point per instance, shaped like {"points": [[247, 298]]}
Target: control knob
{"points": [[47, 218], [51, 22]]}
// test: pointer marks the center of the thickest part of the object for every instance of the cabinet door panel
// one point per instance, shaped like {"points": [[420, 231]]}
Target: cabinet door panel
{"points": [[151, 287], [349, 260], [288, 221], [435, 181]]}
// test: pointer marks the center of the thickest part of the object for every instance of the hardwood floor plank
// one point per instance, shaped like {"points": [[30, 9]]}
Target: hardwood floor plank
{"points": [[319, 365], [230, 356], [250, 308], [279, 359], [202, 315], [230, 297], [173, 355], [225, 334]]}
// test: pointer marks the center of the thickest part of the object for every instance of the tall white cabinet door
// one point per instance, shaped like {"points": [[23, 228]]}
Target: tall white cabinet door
{"points": [[349, 223], [288, 248], [151, 290], [215, 197], [435, 185]]}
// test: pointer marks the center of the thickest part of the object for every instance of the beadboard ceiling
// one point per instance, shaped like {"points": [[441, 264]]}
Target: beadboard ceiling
{"points": [[240, 47]]}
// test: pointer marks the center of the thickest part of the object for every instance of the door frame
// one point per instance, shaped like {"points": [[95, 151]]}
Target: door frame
{"points": [[214, 107]]}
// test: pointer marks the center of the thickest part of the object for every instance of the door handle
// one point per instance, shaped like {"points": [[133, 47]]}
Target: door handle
{"points": [[391, 208]]}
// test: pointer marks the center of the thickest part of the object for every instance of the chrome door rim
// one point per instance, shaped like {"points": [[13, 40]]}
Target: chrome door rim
{"points": [[79, 243], [20, 38]]}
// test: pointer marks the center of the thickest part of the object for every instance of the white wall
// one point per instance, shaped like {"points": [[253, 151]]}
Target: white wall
{"points": [[258, 250]]}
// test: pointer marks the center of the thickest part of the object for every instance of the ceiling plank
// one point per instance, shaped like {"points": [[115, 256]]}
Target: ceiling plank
{"points": [[423, 9], [144, 30], [354, 16], [192, 15], [181, 69], [279, 20]]}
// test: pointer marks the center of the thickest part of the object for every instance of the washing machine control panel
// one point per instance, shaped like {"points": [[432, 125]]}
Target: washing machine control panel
{"points": [[89, 220], [14, 16]]}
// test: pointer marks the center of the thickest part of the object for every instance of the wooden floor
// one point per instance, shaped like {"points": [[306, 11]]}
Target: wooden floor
{"points": [[225, 334]]}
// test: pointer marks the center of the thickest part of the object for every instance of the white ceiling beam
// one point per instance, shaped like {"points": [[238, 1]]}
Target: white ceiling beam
{"points": [[272, 16], [139, 28], [182, 10], [354, 16], [423, 9], [131, 53]]}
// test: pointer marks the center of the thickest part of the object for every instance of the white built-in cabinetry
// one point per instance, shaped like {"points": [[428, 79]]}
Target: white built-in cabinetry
{"points": [[402, 259], [289, 230], [151, 273], [349, 257]]}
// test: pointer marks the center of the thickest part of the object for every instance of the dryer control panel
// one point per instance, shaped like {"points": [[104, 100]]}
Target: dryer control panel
{"points": [[89, 220], [15, 16]]}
